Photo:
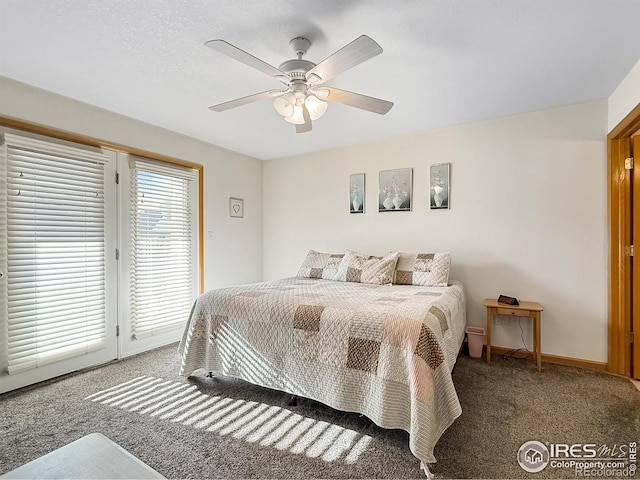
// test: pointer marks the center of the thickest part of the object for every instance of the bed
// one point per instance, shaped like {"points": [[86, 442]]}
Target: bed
{"points": [[382, 349]]}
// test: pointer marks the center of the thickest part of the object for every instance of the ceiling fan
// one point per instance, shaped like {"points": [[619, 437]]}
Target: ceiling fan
{"points": [[303, 99]]}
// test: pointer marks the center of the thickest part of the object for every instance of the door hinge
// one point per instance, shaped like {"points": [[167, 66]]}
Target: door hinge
{"points": [[628, 163], [630, 337], [117, 178], [629, 250], [117, 254], [117, 330]]}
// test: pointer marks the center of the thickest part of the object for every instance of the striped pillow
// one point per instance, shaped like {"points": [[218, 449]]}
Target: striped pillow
{"points": [[320, 265], [424, 269], [359, 268]]}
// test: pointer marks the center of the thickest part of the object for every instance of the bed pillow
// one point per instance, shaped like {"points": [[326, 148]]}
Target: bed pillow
{"points": [[359, 268], [424, 269], [320, 265]]}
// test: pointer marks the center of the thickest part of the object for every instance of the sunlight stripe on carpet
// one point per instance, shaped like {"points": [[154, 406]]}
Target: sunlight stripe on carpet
{"points": [[252, 422]]}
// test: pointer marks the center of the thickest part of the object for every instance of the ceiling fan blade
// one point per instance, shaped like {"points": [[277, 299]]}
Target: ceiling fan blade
{"points": [[238, 102], [234, 52], [306, 126], [356, 100], [354, 53]]}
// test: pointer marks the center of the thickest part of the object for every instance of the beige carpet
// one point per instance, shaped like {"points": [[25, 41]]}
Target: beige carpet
{"points": [[226, 428]]}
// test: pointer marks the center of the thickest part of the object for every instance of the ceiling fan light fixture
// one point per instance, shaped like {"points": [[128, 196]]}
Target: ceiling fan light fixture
{"points": [[297, 117], [283, 106], [315, 106]]}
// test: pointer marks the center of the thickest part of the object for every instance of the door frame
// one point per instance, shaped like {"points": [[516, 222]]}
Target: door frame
{"points": [[619, 220]]}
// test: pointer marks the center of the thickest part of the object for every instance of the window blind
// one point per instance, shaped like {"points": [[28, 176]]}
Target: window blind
{"points": [[53, 251], [162, 259]]}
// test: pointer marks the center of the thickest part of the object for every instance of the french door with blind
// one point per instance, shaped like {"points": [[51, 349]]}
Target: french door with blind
{"points": [[158, 253], [66, 301], [58, 273]]}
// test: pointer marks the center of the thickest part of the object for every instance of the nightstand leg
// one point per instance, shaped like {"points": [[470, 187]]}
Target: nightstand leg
{"points": [[536, 340], [489, 316]]}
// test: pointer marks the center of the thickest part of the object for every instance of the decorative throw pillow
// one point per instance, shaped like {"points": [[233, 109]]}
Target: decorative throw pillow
{"points": [[425, 269], [320, 265], [360, 268]]}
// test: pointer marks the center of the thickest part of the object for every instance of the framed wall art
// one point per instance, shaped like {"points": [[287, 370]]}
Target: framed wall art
{"points": [[356, 193], [236, 207], [394, 193], [440, 185]]}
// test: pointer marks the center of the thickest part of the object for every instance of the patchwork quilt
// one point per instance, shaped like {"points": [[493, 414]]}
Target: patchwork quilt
{"points": [[385, 351]]}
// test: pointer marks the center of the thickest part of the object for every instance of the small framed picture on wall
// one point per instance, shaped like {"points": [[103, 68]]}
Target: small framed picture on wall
{"points": [[394, 193], [440, 185], [236, 207], [356, 193]]}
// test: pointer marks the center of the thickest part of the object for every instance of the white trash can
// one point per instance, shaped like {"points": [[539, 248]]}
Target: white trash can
{"points": [[475, 338]]}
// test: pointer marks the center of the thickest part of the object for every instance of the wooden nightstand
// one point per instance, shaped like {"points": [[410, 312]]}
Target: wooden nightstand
{"points": [[530, 310]]}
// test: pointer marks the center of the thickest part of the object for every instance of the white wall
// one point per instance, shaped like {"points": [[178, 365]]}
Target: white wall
{"points": [[625, 97], [233, 250], [527, 217]]}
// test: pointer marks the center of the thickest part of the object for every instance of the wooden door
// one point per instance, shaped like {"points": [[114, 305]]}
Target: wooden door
{"points": [[623, 318], [635, 305]]}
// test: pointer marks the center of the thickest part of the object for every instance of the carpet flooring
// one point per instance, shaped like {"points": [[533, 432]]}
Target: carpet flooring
{"points": [[225, 428]]}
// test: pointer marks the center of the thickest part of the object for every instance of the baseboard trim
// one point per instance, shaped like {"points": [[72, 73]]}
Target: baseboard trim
{"points": [[572, 362]]}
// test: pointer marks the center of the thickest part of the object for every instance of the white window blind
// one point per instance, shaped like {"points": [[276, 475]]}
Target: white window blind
{"points": [[162, 241], [53, 251]]}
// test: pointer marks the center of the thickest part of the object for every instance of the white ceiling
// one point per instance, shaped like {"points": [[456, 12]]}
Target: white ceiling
{"points": [[445, 62]]}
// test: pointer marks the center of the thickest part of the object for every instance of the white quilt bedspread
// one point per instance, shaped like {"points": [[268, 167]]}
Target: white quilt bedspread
{"points": [[386, 351]]}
